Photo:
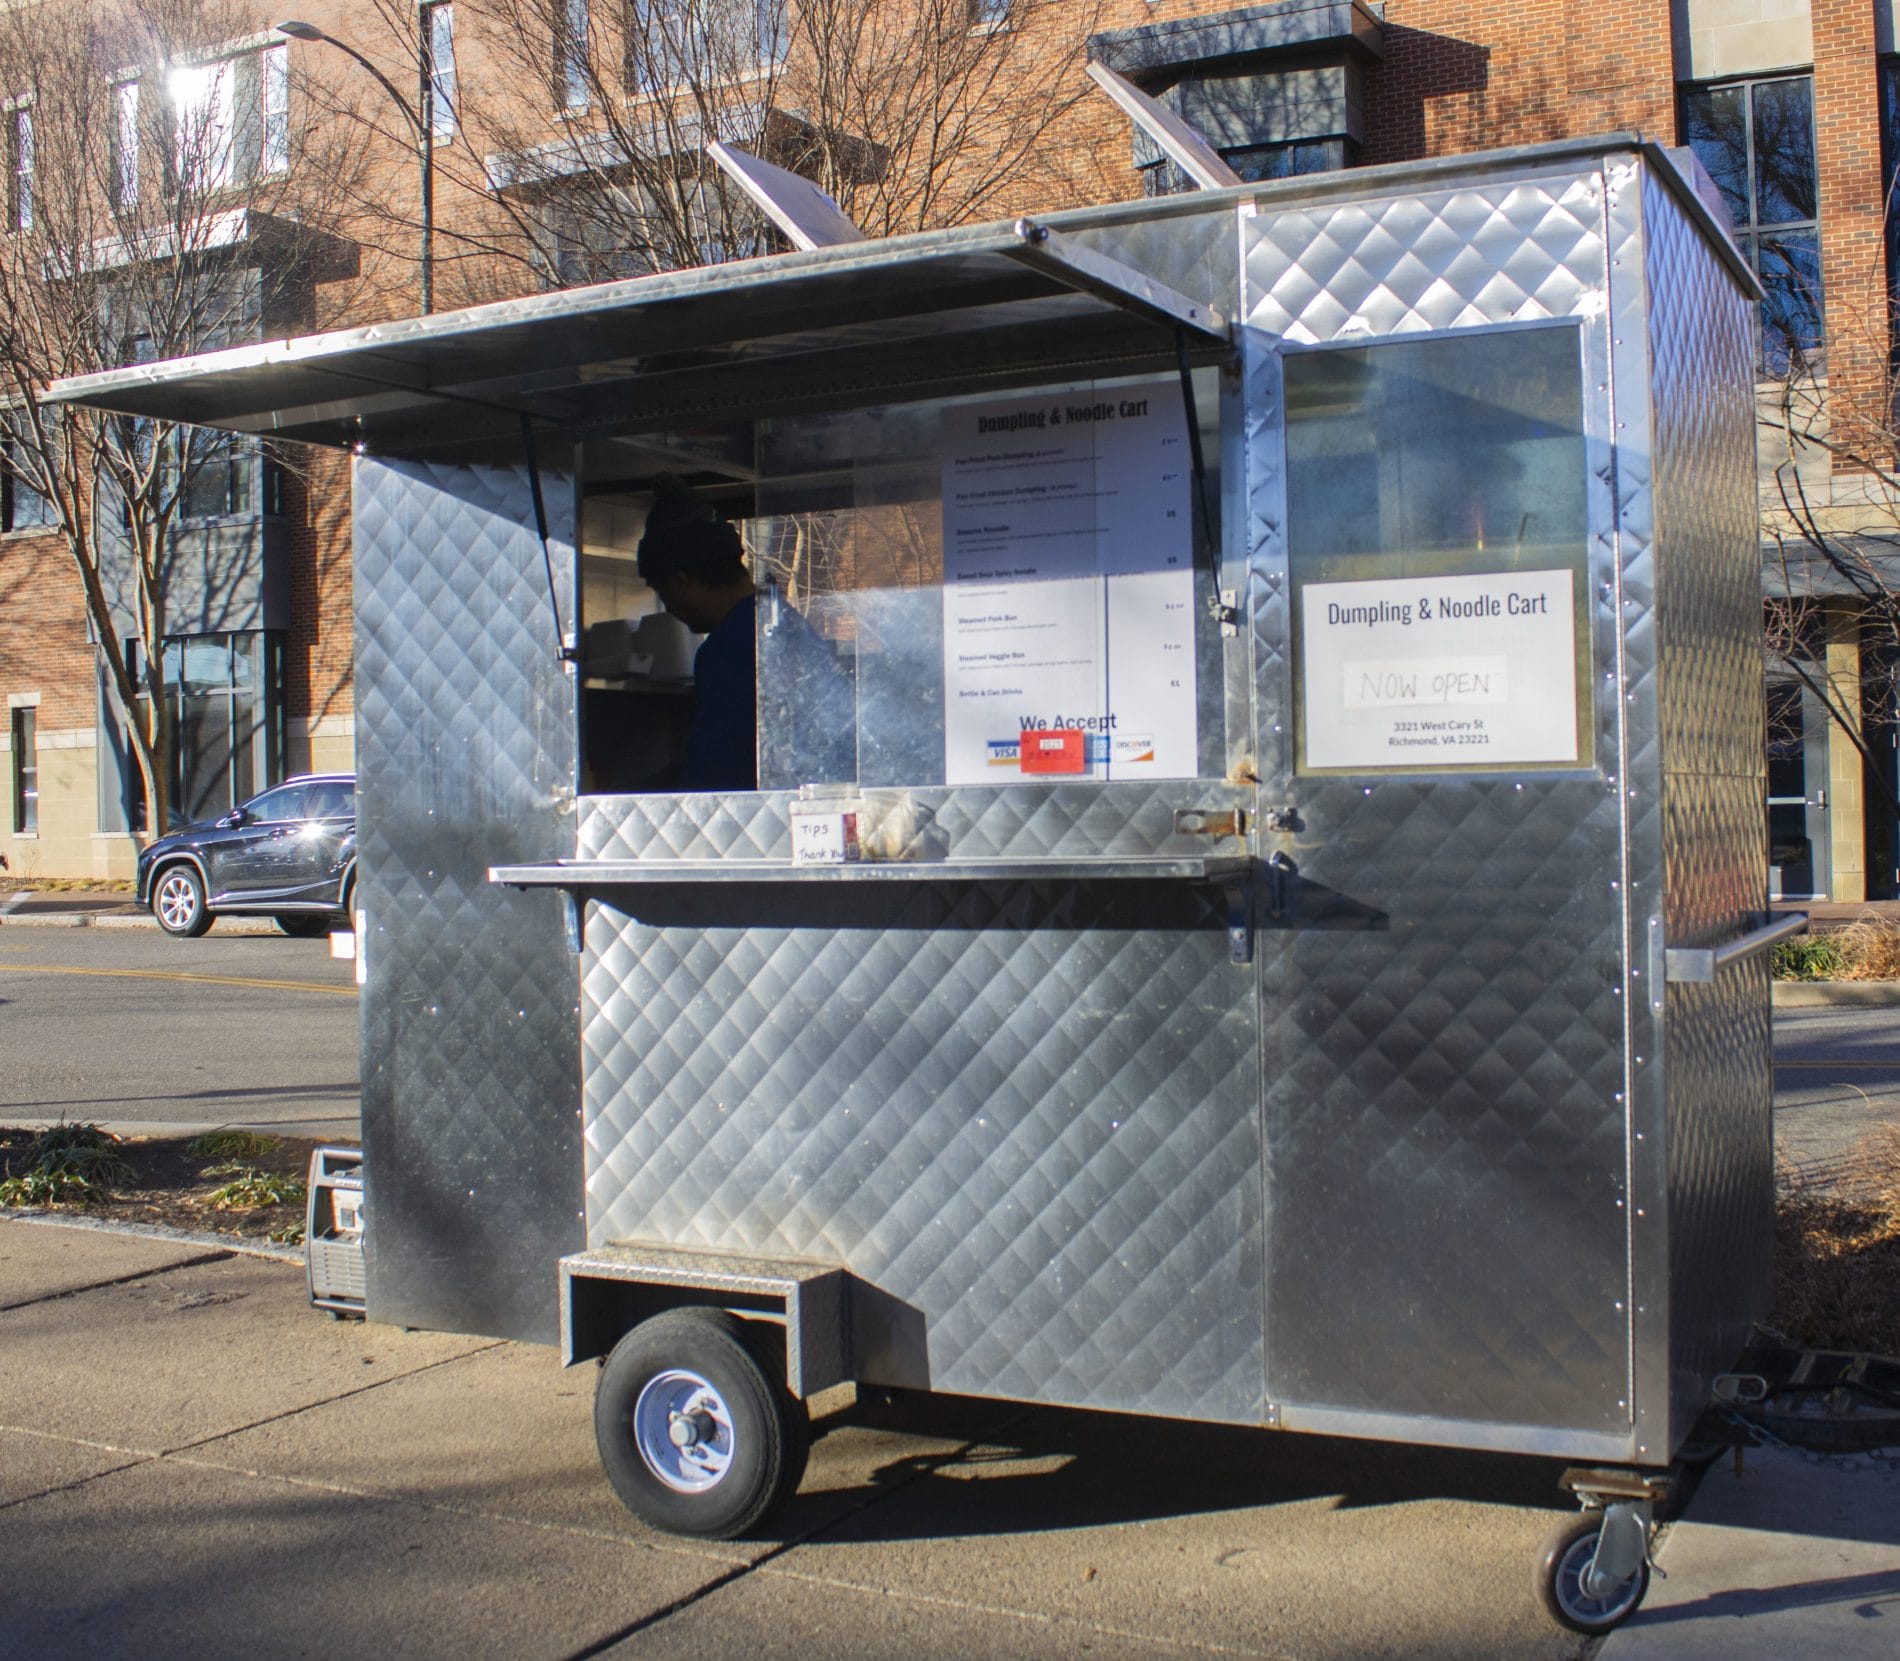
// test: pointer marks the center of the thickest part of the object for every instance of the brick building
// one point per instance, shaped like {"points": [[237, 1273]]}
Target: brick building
{"points": [[1794, 107]]}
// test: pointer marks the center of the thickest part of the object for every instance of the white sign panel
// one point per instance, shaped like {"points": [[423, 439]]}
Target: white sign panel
{"points": [[1068, 587], [1440, 671]]}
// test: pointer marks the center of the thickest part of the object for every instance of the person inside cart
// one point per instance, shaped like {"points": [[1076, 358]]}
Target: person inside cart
{"points": [[695, 562]]}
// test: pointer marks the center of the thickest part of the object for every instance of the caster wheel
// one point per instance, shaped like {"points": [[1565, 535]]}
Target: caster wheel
{"points": [[695, 1434], [1567, 1584]]}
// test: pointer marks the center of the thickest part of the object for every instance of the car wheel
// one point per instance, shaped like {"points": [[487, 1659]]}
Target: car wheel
{"points": [[305, 925], [178, 902]]}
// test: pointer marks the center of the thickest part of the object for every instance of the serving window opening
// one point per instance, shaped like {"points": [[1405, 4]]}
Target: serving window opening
{"points": [[1010, 588]]}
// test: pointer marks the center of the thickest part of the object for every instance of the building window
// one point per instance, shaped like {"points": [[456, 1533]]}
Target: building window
{"points": [[20, 168], [219, 688], [220, 475], [1756, 138], [570, 53], [438, 43], [676, 43], [989, 14], [26, 774], [1256, 163], [231, 118], [125, 144], [1890, 176], [22, 506]]}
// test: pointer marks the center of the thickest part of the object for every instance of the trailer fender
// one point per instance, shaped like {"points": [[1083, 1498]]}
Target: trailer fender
{"points": [[608, 1291]]}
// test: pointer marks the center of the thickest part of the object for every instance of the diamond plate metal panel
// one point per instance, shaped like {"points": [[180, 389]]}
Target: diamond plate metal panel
{"points": [[1718, 1132], [465, 756], [1021, 821], [1026, 1114], [1443, 1024], [1511, 251]]}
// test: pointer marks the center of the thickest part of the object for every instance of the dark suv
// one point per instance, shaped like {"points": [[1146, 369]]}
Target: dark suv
{"points": [[289, 853]]}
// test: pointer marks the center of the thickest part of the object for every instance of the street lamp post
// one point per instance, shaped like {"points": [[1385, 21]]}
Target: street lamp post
{"points": [[425, 139]]}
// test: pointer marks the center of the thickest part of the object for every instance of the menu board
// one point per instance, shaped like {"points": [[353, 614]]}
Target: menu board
{"points": [[1469, 671], [1068, 587]]}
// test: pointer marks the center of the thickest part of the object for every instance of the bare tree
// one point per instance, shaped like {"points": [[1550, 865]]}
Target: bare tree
{"points": [[163, 199], [578, 130]]}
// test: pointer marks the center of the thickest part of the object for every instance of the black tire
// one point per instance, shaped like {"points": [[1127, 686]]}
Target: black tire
{"points": [[304, 925], [692, 1373], [178, 902], [346, 912], [1567, 1553]]}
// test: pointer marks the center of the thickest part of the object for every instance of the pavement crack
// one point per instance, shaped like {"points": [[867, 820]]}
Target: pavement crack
{"points": [[921, 1469], [329, 1401], [218, 1256]]}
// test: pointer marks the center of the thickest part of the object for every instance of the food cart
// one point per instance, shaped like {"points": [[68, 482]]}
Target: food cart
{"points": [[1271, 933]]}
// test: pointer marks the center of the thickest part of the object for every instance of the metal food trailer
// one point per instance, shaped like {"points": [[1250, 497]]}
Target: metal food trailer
{"points": [[1271, 931]]}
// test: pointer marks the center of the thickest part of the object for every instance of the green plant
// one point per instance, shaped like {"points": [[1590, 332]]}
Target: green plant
{"points": [[1807, 957], [253, 1190], [232, 1144], [46, 1188], [66, 1164], [289, 1234]]}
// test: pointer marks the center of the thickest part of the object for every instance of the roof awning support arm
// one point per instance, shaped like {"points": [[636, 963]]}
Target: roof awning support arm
{"points": [[566, 642], [1204, 509], [1088, 272]]}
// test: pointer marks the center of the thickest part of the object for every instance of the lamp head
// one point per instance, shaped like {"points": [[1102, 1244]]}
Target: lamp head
{"points": [[301, 31]]}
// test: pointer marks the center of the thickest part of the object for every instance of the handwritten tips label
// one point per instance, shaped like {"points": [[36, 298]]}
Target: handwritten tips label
{"points": [[824, 838], [1441, 672]]}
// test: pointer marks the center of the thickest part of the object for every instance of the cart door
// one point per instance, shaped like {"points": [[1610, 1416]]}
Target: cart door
{"points": [[1445, 1103]]}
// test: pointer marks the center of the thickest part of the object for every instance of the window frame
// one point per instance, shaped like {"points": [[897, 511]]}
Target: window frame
{"points": [[688, 50], [1755, 233], [13, 487], [573, 28], [126, 142], [437, 40], [23, 736], [20, 161], [251, 80]]}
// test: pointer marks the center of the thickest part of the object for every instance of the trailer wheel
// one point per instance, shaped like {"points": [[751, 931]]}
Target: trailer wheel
{"points": [[694, 1433], [1565, 1581]]}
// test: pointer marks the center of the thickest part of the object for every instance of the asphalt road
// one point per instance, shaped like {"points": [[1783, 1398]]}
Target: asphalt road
{"points": [[1837, 1081], [129, 1025]]}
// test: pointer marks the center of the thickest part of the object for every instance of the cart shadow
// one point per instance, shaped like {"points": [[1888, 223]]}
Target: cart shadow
{"points": [[1873, 1596], [1046, 1469]]}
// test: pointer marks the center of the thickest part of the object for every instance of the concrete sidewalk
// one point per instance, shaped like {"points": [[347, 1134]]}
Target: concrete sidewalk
{"points": [[195, 1464]]}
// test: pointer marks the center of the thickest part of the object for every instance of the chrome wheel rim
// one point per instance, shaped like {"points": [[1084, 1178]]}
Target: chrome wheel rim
{"points": [[683, 1429], [177, 903]]}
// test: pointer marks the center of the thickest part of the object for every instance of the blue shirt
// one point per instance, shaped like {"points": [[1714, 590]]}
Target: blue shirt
{"points": [[722, 749]]}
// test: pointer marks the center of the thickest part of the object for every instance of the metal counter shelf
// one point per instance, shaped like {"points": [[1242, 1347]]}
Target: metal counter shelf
{"points": [[609, 873]]}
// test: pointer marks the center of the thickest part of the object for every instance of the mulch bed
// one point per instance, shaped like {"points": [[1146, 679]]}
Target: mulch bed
{"points": [[169, 1185]]}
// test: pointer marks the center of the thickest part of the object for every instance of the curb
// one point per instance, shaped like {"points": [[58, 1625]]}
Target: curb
{"points": [[158, 1231], [1838, 994], [108, 920]]}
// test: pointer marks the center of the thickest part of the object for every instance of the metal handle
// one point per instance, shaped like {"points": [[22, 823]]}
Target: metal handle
{"points": [[1701, 963]]}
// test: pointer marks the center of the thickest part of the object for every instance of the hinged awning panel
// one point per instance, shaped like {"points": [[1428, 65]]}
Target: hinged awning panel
{"points": [[777, 332]]}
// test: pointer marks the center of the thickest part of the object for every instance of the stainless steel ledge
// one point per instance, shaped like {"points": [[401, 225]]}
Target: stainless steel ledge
{"points": [[1703, 963], [610, 873]]}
